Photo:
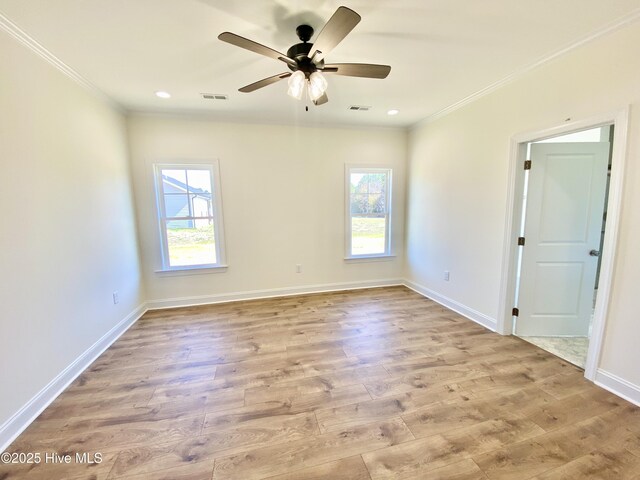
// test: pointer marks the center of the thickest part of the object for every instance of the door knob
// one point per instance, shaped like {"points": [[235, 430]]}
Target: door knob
{"points": [[594, 253]]}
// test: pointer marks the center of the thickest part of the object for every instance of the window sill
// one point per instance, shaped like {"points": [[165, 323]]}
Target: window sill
{"points": [[171, 272], [369, 258]]}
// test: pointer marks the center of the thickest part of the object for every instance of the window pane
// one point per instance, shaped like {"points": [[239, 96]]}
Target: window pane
{"points": [[357, 184], [377, 182], [367, 204], [199, 181], [367, 236], [368, 182], [191, 242], [376, 203], [359, 203], [175, 177], [201, 205], [180, 224], [176, 205]]}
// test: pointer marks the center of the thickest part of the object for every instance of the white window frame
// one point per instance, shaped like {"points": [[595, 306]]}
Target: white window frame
{"points": [[349, 169], [213, 167]]}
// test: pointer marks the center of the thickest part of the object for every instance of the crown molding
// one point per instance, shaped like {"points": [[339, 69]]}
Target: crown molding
{"points": [[32, 44], [602, 31]]}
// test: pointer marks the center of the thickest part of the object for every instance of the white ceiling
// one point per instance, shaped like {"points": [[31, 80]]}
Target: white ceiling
{"points": [[441, 51]]}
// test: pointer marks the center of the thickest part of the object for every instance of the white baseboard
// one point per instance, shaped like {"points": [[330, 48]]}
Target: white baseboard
{"points": [[457, 307], [268, 293], [618, 386], [15, 425]]}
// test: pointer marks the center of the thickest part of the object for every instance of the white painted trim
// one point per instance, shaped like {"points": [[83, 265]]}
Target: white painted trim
{"points": [[36, 47], [182, 271], [370, 258], [268, 293], [614, 208], [605, 30], [618, 386], [513, 220], [457, 307], [15, 425], [620, 119]]}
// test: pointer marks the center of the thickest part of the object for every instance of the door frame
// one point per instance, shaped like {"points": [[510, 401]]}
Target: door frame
{"points": [[517, 155]]}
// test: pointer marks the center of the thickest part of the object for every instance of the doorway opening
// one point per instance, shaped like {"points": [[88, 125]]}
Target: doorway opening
{"points": [[560, 240], [517, 157]]}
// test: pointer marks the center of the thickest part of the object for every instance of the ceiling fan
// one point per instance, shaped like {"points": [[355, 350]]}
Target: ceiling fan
{"points": [[306, 60]]}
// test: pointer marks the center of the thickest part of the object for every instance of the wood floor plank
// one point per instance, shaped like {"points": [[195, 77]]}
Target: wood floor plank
{"points": [[445, 416], [564, 385], [271, 461], [192, 471], [526, 401], [252, 433], [419, 457], [109, 438], [527, 459], [213, 397], [358, 385], [321, 383], [352, 468], [310, 402], [431, 378], [462, 470], [597, 466], [569, 410]]}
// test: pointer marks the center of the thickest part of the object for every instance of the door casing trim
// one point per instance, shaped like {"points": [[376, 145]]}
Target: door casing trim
{"points": [[517, 154]]}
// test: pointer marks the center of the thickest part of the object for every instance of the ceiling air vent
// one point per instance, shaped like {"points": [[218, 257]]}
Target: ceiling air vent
{"points": [[214, 96], [360, 108]]}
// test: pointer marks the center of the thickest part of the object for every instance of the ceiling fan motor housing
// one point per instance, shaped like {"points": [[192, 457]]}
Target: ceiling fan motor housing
{"points": [[300, 52], [304, 32]]}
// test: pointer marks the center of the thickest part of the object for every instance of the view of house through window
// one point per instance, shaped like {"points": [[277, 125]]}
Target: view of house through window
{"points": [[187, 212], [368, 222]]}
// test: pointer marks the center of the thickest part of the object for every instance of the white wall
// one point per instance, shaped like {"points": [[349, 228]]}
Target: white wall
{"points": [[458, 181], [67, 232], [283, 202]]}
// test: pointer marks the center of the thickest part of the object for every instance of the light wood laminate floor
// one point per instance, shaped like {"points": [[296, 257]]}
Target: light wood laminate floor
{"points": [[367, 384]]}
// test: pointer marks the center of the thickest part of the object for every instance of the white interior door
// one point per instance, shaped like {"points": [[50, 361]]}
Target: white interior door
{"points": [[565, 204]]}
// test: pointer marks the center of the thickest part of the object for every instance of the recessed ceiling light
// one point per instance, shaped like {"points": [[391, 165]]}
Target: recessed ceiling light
{"points": [[163, 94], [393, 112]]}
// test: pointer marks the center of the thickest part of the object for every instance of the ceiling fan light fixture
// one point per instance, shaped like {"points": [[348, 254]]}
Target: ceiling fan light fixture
{"points": [[297, 82], [317, 85]]}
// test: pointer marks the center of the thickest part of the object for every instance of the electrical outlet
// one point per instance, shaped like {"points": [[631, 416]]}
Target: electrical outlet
{"points": [[446, 275], [116, 297], [298, 268]]}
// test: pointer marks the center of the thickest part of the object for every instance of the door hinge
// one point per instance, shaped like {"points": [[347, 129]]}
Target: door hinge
{"points": [[521, 241], [515, 312], [527, 164]]}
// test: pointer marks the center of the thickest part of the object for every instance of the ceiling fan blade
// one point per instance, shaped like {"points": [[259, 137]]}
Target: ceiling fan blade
{"points": [[339, 25], [366, 70], [264, 82], [322, 100], [247, 44]]}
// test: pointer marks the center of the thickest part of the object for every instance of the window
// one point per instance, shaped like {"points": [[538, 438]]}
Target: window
{"points": [[190, 216], [368, 212]]}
